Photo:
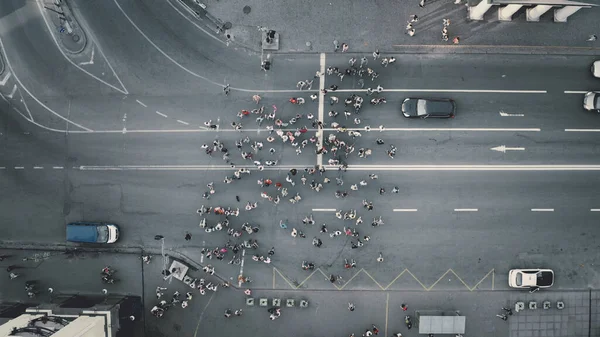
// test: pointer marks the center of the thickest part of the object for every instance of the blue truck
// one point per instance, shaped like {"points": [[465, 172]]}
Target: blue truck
{"points": [[92, 232]]}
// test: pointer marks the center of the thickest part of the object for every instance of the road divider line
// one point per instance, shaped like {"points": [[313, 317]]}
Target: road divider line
{"points": [[182, 122], [161, 114], [324, 209], [350, 168], [38, 167], [141, 103], [582, 130], [542, 209], [474, 91], [2, 167], [57, 167], [404, 209], [19, 168], [575, 92], [595, 210], [466, 209]]}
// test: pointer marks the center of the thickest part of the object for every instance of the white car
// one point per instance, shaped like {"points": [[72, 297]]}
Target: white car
{"points": [[530, 278], [596, 69], [591, 101]]}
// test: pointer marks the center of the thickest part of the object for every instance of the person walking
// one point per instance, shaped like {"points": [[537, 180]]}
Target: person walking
{"points": [[226, 89], [376, 54], [188, 236], [256, 99], [351, 306]]}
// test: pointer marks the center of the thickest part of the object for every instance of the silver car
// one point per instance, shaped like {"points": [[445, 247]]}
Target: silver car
{"points": [[591, 101]]}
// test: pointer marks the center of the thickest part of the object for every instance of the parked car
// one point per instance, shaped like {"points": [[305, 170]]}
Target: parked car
{"points": [[591, 101], [428, 108], [596, 69], [92, 232], [530, 278]]}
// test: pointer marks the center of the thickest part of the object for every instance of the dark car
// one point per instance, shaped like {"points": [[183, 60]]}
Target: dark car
{"points": [[428, 107]]}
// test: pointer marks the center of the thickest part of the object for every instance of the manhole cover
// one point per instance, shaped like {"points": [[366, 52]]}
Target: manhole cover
{"points": [[247, 9], [75, 37], [227, 25]]}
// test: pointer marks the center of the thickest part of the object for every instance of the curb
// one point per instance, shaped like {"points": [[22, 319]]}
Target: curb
{"points": [[78, 36], [2, 67]]}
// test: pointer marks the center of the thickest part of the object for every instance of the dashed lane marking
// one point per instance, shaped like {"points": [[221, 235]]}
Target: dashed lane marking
{"points": [[405, 210], [466, 209], [595, 210], [182, 122], [57, 167], [161, 114], [542, 209], [575, 92], [38, 167], [582, 130], [141, 103], [324, 209], [19, 168]]}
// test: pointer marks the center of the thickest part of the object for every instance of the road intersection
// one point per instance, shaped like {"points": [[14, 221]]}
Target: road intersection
{"points": [[510, 182]]}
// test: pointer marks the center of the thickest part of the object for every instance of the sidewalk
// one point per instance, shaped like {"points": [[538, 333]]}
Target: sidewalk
{"points": [[368, 25], [64, 25]]}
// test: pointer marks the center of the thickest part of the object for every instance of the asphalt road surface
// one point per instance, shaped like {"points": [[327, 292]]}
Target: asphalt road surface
{"points": [[510, 182]]}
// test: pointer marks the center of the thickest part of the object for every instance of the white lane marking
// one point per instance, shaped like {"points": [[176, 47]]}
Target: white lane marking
{"points": [[405, 210], [595, 210], [582, 130], [88, 31], [19, 167], [242, 266], [504, 114], [503, 148], [542, 209], [324, 209], [2, 168], [454, 90], [12, 93], [161, 114], [203, 129], [141, 103], [351, 167], [38, 167], [182, 122], [164, 53], [57, 167], [575, 92], [32, 96], [193, 23], [91, 61], [5, 79], [321, 107], [27, 107], [466, 209]]}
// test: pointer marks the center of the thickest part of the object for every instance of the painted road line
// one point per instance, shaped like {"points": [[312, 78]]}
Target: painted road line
{"points": [[475, 91], [324, 209], [466, 209], [57, 167], [2, 167], [351, 167], [595, 210], [321, 107], [542, 209], [575, 92], [141, 103], [204, 129], [161, 114], [182, 122], [242, 267], [38, 167], [19, 167], [582, 130], [404, 209]]}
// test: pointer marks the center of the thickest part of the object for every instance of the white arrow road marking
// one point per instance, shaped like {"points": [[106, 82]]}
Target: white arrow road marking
{"points": [[5, 79], [10, 96], [503, 148], [91, 61], [504, 114]]}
